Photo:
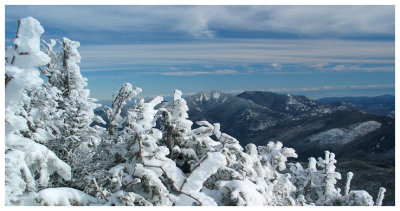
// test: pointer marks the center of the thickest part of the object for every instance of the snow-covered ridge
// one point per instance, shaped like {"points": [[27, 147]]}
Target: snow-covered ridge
{"points": [[345, 135], [211, 95], [293, 101]]}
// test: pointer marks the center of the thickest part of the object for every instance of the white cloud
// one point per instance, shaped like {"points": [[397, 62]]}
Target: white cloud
{"points": [[343, 67], [202, 21], [222, 72], [311, 53], [332, 20], [276, 66], [193, 73]]}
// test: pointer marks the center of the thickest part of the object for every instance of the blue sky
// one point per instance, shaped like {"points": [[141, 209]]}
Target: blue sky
{"points": [[316, 51]]}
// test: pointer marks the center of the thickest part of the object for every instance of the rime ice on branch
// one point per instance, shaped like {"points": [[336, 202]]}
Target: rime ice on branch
{"points": [[28, 164]]}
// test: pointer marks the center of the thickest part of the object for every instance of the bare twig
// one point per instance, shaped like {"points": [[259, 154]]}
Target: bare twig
{"points": [[98, 189], [140, 146], [8, 79], [131, 182]]}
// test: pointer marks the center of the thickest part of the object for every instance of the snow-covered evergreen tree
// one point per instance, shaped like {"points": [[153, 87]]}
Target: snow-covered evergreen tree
{"points": [[28, 164], [317, 186], [177, 134], [78, 140], [119, 100]]}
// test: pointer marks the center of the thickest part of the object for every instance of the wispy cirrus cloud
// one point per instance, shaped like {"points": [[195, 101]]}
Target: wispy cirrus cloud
{"points": [[343, 67], [349, 55], [193, 73], [214, 21]]}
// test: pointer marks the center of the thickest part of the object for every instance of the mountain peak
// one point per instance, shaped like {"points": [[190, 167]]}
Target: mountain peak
{"points": [[210, 95]]}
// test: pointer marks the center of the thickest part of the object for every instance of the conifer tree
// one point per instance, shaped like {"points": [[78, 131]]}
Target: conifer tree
{"points": [[28, 164]]}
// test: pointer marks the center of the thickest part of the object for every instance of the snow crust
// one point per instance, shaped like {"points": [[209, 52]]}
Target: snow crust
{"points": [[244, 191], [64, 197], [209, 166], [39, 158], [28, 44]]}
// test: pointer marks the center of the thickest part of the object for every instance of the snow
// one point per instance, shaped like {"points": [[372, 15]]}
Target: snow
{"points": [[177, 94], [205, 96], [100, 120], [24, 79], [216, 95], [208, 95], [174, 173], [178, 114], [276, 154], [358, 198], [141, 116], [207, 167], [42, 135], [349, 178], [215, 194], [64, 197], [18, 178], [365, 127], [224, 99], [380, 196], [292, 101], [28, 44], [244, 191], [29, 165], [121, 198], [118, 174], [14, 122], [193, 184], [28, 35], [344, 135], [35, 154]]}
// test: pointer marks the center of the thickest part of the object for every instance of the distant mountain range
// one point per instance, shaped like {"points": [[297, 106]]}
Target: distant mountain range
{"points": [[383, 105], [309, 126]]}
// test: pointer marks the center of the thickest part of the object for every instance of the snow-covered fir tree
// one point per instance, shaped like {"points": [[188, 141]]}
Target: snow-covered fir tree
{"points": [[153, 155], [28, 164]]}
